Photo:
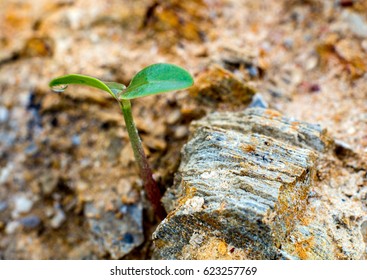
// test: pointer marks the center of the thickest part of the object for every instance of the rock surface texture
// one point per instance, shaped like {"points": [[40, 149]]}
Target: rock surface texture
{"points": [[254, 185]]}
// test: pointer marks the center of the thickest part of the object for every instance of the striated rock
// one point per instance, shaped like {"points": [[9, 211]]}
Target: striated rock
{"points": [[247, 189]]}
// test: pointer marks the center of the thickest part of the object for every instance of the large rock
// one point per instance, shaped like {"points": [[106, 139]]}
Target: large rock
{"points": [[247, 189]]}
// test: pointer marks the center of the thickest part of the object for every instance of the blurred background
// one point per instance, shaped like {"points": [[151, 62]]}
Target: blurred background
{"points": [[69, 187]]}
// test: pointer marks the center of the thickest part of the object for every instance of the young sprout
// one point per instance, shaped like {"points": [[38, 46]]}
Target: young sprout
{"points": [[154, 79]]}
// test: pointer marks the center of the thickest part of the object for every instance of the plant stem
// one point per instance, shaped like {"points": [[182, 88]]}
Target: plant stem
{"points": [[150, 184]]}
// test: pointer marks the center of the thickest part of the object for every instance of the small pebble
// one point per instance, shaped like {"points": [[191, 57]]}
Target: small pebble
{"points": [[311, 63], [49, 183], [49, 211], [253, 71], [32, 149], [288, 43], [351, 130], [357, 23], [315, 88], [75, 140], [307, 37], [58, 219], [85, 162], [5, 172], [95, 38], [181, 132], [30, 222], [266, 46], [258, 101], [81, 186], [12, 227], [90, 211], [173, 117], [22, 204], [3, 206], [123, 209], [4, 114]]}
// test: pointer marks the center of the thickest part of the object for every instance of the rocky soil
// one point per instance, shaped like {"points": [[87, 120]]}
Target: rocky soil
{"points": [[69, 187]]}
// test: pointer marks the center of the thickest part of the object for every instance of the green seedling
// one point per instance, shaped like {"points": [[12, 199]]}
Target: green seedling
{"points": [[154, 79]]}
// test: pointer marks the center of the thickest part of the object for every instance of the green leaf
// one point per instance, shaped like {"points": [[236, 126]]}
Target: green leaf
{"points": [[60, 83], [157, 78]]}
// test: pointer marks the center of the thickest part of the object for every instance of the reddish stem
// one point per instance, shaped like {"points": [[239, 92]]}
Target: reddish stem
{"points": [[150, 184]]}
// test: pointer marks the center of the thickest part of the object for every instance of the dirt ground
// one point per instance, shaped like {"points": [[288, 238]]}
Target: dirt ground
{"points": [[66, 158]]}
